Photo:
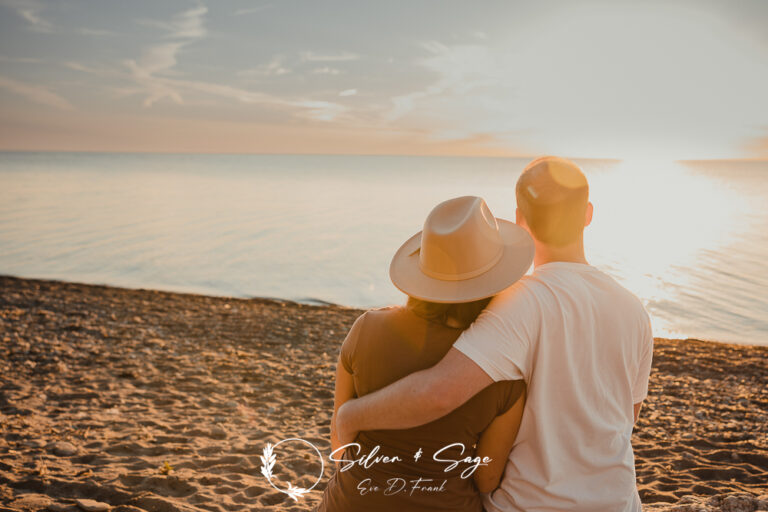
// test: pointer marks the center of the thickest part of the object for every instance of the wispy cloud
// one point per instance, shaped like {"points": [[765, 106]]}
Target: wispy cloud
{"points": [[96, 32], [758, 146], [77, 66], [274, 67], [154, 73], [319, 110], [184, 28], [35, 93], [189, 24], [29, 10], [325, 70], [458, 68], [21, 60], [337, 57], [252, 10]]}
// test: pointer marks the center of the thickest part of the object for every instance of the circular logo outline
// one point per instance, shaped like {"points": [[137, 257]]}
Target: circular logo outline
{"points": [[268, 460]]}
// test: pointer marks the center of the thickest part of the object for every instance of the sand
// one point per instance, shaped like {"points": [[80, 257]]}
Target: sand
{"points": [[139, 400]]}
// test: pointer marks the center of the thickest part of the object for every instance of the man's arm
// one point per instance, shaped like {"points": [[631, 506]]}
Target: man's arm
{"points": [[414, 400], [638, 406]]}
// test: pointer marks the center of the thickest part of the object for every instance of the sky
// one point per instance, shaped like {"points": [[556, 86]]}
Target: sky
{"points": [[603, 79]]}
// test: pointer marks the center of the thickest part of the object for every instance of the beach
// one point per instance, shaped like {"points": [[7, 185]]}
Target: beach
{"points": [[143, 400]]}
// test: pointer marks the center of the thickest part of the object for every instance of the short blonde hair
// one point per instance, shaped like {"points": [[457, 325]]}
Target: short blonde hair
{"points": [[552, 195]]}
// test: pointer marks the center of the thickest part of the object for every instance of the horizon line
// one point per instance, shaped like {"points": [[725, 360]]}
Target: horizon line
{"points": [[410, 155]]}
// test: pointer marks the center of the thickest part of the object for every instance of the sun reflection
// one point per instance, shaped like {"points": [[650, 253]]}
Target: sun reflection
{"points": [[653, 219]]}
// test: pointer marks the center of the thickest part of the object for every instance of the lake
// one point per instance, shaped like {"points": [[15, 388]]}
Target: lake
{"points": [[690, 239]]}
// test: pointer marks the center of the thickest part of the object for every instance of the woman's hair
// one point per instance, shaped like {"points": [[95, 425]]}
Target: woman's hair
{"points": [[463, 312]]}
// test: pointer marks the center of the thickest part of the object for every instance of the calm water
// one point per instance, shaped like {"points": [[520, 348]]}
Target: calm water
{"points": [[690, 240]]}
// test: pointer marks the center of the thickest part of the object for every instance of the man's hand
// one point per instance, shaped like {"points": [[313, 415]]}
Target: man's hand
{"points": [[345, 430]]}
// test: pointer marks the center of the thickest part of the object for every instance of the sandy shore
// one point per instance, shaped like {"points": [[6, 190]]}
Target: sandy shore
{"points": [[101, 387]]}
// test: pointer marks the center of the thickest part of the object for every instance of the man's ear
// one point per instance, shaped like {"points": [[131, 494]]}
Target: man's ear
{"points": [[588, 214], [519, 219]]}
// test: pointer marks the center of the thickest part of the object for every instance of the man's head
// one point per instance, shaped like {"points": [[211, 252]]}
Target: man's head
{"points": [[553, 201]]}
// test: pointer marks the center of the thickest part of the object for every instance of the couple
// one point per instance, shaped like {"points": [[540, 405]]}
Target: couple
{"points": [[490, 390]]}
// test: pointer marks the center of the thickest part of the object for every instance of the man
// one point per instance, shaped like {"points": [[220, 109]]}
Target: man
{"points": [[581, 342]]}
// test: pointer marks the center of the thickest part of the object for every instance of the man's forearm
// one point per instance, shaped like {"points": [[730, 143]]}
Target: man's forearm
{"points": [[404, 404], [414, 400]]}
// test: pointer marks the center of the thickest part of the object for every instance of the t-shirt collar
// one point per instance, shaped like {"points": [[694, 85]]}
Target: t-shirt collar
{"points": [[570, 265]]}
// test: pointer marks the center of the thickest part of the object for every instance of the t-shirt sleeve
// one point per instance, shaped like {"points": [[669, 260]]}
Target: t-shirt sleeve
{"points": [[349, 346], [501, 339], [512, 392], [640, 387]]}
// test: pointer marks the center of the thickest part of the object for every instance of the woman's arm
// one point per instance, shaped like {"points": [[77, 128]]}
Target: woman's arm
{"points": [[496, 442], [345, 391]]}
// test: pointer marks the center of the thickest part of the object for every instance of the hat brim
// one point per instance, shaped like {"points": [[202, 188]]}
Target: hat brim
{"points": [[513, 264]]}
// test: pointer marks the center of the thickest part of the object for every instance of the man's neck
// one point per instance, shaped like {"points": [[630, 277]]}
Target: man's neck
{"points": [[572, 253]]}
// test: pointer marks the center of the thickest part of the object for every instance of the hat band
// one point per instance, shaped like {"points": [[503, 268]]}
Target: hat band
{"points": [[465, 275]]}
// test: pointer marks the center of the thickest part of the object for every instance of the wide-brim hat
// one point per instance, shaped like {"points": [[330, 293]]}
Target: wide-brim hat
{"points": [[463, 254]]}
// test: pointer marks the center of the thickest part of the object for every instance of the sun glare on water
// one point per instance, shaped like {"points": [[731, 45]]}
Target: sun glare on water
{"points": [[654, 219]]}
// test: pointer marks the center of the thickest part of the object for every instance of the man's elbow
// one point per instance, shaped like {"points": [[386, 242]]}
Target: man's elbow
{"points": [[441, 402], [486, 481], [435, 398]]}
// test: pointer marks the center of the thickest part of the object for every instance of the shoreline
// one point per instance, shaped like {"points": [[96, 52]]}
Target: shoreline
{"points": [[306, 301], [100, 385]]}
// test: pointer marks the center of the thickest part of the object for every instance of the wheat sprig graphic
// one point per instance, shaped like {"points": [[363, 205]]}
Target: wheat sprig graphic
{"points": [[268, 464], [267, 461], [295, 492]]}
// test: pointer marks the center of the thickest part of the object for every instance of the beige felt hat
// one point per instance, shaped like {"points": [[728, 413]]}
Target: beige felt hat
{"points": [[463, 254]]}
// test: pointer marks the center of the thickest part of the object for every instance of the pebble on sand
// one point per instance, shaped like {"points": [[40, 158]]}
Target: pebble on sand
{"points": [[31, 502], [93, 506], [64, 449]]}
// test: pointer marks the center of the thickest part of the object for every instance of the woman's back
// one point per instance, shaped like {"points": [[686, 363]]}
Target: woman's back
{"points": [[382, 347]]}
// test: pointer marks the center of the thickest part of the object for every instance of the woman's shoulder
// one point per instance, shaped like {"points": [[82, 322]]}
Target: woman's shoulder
{"points": [[385, 310], [371, 318], [383, 313]]}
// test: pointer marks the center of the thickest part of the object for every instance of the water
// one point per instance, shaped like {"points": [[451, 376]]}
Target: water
{"points": [[690, 239]]}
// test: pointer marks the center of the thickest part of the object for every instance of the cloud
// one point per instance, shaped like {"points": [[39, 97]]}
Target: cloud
{"points": [[348, 92], [29, 10], [326, 71], [758, 146], [77, 66], [189, 24], [272, 68], [185, 27], [458, 68], [252, 10], [319, 110], [35, 93], [339, 57], [21, 60], [95, 32], [154, 73]]}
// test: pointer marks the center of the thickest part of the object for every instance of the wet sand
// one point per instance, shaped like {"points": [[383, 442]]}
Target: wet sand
{"points": [[150, 401]]}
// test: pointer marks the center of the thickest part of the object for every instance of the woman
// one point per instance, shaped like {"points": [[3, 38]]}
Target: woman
{"points": [[449, 271]]}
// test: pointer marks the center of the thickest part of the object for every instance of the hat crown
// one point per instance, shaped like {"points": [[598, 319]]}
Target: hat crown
{"points": [[460, 240]]}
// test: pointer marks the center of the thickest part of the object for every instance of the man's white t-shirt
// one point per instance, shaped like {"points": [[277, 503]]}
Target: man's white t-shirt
{"points": [[583, 344]]}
